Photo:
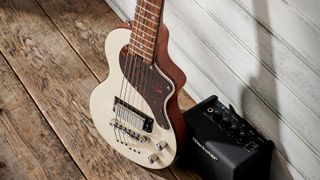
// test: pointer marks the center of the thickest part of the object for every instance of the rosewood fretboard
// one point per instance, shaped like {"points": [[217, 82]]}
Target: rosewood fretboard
{"points": [[145, 29]]}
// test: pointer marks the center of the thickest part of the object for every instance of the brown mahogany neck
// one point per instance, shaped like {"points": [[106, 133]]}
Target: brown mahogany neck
{"points": [[145, 29]]}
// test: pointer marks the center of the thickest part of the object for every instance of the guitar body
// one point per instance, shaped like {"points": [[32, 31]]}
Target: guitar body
{"points": [[134, 143]]}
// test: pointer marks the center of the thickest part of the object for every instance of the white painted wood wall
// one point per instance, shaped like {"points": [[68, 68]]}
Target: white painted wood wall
{"points": [[263, 57]]}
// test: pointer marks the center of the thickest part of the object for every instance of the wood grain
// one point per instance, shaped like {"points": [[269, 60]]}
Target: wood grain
{"points": [[252, 93], [282, 63], [60, 84], [228, 53], [85, 25], [29, 149], [290, 26], [97, 25]]}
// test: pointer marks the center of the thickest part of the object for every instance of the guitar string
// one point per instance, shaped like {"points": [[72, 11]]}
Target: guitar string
{"points": [[137, 77], [151, 67], [142, 67], [127, 72], [134, 81], [140, 64], [135, 27], [146, 72], [118, 110], [134, 76], [125, 91], [144, 75], [130, 76], [133, 59], [124, 115]]}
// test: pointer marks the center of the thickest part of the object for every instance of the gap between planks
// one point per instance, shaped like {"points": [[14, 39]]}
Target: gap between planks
{"points": [[31, 155], [185, 100], [77, 55], [85, 63]]}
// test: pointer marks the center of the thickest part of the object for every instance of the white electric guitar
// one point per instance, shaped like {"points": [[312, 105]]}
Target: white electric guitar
{"points": [[136, 109]]}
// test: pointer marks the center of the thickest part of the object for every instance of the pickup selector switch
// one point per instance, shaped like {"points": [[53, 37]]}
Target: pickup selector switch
{"points": [[152, 158], [161, 145]]}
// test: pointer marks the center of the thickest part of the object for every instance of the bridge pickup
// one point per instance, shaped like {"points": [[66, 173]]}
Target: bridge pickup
{"points": [[132, 115]]}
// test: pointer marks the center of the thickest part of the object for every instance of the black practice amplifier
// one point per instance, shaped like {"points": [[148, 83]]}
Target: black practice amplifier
{"points": [[223, 146]]}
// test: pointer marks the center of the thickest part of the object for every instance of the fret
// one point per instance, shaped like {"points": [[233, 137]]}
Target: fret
{"points": [[143, 38], [142, 44], [138, 48], [143, 33], [145, 26], [156, 15], [150, 20], [151, 4], [141, 55]]}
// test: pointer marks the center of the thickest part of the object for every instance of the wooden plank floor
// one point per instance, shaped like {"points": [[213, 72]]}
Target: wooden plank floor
{"points": [[52, 57]]}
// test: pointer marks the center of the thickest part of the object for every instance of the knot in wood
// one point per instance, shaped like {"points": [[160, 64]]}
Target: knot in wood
{"points": [[2, 165]]}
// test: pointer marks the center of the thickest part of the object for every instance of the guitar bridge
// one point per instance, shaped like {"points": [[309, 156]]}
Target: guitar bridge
{"points": [[132, 116], [134, 135]]}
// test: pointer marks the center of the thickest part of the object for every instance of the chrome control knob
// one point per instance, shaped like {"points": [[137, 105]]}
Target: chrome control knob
{"points": [[152, 158], [161, 145]]}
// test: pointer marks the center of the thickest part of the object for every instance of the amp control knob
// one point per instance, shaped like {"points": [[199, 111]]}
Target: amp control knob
{"points": [[152, 158], [217, 116], [161, 145]]}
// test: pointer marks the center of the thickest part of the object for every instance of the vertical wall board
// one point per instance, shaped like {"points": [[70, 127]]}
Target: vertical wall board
{"points": [[260, 115], [284, 21], [243, 63], [310, 9], [267, 49], [267, 87], [281, 169]]}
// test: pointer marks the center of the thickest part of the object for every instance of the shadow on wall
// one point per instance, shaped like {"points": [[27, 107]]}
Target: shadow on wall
{"points": [[264, 44]]}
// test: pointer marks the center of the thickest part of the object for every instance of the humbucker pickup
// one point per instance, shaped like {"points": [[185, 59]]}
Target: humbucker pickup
{"points": [[132, 115]]}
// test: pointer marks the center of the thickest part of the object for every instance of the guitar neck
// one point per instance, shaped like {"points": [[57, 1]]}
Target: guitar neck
{"points": [[145, 28]]}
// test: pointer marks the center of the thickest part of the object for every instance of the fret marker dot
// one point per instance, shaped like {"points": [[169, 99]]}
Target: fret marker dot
{"points": [[140, 46], [143, 35], [153, 18]]}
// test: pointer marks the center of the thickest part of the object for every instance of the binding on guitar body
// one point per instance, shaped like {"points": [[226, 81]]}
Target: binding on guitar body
{"points": [[135, 109]]}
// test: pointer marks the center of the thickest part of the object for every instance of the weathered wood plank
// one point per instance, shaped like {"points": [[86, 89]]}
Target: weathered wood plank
{"points": [[29, 149], [206, 66], [60, 84], [85, 25], [10, 166], [88, 39]]}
